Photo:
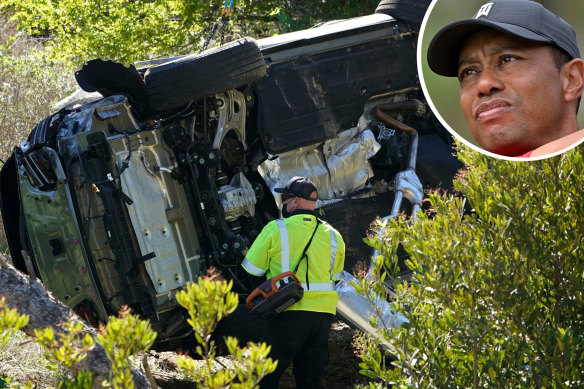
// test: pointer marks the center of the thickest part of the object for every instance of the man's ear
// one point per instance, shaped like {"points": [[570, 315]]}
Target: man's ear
{"points": [[573, 72]]}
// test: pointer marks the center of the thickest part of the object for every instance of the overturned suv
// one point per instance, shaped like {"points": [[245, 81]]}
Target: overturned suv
{"points": [[126, 194]]}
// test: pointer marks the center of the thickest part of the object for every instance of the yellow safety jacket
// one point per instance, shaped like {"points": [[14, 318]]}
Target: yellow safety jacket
{"points": [[278, 249]]}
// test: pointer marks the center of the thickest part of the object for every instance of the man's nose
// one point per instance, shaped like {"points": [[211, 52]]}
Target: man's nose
{"points": [[489, 82]]}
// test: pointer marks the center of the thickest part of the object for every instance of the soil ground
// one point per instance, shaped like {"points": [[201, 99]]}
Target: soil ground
{"points": [[342, 372]]}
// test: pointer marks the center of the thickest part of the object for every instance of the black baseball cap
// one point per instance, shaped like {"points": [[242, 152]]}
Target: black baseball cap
{"points": [[298, 187], [524, 19]]}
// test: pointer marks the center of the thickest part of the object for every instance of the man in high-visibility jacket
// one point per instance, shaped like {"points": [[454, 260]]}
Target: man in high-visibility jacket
{"points": [[299, 335]]}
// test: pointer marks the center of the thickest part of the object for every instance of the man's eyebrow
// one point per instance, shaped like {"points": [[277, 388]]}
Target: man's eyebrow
{"points": [[498, 49]]}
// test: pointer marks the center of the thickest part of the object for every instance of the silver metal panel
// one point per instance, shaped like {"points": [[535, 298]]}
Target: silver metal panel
{"points": [[152, 229], [346, 157], [338, 167]]}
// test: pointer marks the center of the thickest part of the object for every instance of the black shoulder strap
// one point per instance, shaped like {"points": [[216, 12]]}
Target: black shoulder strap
{"points": [[304, 253]]}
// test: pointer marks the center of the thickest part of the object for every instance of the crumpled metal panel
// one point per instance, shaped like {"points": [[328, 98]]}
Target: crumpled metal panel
{"points": [[152, 229], [337, 167], [358, 310], [82, 121], [346, 158]]}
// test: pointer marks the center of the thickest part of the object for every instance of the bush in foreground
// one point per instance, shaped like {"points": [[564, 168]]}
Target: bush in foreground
{"points": [[497, 293], [127, 336]]}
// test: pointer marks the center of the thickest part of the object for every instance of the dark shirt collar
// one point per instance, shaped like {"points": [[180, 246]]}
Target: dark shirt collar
{"points": [[302, 212]]}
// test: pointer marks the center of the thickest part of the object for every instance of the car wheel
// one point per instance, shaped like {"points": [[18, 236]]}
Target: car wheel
{"points": [[411, 11], [176, 83]]}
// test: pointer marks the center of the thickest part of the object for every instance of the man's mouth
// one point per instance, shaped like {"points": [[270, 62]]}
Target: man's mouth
{"points": [[490, 108]]}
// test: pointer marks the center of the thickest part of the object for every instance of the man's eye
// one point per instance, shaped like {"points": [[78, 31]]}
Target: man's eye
{"points": [[466, 72], [508, 58]]}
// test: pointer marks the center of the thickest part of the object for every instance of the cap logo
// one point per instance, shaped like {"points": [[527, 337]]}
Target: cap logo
{"points": [[484, 10]]}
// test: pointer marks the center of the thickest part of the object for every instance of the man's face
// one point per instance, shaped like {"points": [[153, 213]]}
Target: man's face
{"points": [[288, 205], [511, 93]]}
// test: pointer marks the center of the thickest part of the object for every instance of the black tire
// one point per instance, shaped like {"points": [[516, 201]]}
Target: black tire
{"points": [[411, 11], [176, 83]]}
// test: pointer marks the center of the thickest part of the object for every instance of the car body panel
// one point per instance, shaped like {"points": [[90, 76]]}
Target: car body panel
{"points": [[55, 236], [314, 92]]}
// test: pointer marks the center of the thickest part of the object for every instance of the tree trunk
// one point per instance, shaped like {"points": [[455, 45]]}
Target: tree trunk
{"points": [[30, 297]]}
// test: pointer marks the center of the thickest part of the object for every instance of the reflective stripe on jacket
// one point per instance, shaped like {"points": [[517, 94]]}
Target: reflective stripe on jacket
{"points": [[278, 249]]}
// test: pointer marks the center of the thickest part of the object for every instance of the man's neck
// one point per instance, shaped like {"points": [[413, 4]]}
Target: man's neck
{"points": [[561, 144]]}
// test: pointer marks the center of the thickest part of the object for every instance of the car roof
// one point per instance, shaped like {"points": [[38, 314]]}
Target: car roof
{"points": [[327, 36]]}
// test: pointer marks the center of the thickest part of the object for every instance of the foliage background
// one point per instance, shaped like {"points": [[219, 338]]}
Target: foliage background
{"points": [[131, 30]]}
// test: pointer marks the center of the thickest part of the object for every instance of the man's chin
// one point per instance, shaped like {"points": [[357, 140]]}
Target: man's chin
{"points": [[499, 140], [512, 149], [505, 146]]}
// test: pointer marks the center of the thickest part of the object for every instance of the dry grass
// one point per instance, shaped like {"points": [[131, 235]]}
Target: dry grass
{"points": [[28, 90], [23, 360]]}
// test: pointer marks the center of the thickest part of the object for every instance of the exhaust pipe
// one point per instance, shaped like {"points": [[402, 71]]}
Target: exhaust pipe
{"points": [[353, 307], [356, 310]]}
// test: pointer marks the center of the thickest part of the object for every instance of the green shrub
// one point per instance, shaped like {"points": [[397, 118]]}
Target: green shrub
{"points": [[208, 301], [10, 322], [126, 336], [130, 31], [496, 298], [123, 337]]}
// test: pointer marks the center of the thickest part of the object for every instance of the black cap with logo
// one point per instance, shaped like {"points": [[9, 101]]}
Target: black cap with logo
{"points": [[298, 187], [524, 19]]}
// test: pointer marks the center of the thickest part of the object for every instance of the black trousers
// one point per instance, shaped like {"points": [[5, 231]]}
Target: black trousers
{"points": [[300, 338]]}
